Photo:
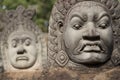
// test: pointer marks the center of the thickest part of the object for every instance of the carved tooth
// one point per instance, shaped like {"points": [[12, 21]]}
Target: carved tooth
{"points": [[82, 47]]}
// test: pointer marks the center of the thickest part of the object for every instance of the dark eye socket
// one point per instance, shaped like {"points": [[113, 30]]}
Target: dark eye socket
{"points": [[27, 42], [14, 43], [77, 26], [103, 25]]}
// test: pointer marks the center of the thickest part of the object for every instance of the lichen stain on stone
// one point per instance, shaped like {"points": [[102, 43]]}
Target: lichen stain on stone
{"points": [[115, 75], [61, 74]]}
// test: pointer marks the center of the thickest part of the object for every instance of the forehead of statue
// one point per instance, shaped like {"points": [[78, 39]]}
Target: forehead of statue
{"points": [[89, 4], [87, 8], [21, 34]]}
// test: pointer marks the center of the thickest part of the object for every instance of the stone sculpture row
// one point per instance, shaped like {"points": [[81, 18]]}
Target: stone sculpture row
{"points": [[83, 38]]}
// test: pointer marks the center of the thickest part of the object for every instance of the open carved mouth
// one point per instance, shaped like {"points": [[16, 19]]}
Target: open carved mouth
{"points": [[22, 58], [92, 47]]}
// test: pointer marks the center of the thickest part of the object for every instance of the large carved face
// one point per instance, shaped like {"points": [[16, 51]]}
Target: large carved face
{"points": [[22, 49], [88, 33]]}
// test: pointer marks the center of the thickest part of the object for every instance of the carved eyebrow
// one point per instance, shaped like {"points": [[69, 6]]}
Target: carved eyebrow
{"points": [[76, 15], [102, 15], [15, 38], [26, 38]]}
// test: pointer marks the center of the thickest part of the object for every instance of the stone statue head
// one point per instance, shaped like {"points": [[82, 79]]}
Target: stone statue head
{"points": [[22, 49], [81, 31], [22, 42]]}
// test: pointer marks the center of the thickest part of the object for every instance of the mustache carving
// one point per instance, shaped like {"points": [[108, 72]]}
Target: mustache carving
{"points": [[88, 46]]}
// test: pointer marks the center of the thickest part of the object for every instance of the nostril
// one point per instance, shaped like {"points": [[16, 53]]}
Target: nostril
{"points": [[92, 35], [91, 38], [21, 52]]}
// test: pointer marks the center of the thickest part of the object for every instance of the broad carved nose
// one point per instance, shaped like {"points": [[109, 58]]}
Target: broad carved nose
{"points": [[21, 50], [91, 33]]}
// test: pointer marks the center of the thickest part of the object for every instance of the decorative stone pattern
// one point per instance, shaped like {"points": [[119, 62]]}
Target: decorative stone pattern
{"points": [[23, 47], [76, 14]]}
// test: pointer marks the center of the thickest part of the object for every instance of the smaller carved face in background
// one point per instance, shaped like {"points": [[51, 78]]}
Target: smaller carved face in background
{"points": [[88, 33], [22, 51]]}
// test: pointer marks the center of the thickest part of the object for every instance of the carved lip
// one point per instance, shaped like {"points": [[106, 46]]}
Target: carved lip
{"points": [[22, 58], [96, 47]]}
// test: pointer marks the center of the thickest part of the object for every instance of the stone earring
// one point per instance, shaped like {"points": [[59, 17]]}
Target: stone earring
{"points": [[62, 58]]}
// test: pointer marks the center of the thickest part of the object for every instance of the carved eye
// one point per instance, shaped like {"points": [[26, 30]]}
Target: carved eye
{"points": [[77, 26], [27, 42], [14, 44], [103, 26]]}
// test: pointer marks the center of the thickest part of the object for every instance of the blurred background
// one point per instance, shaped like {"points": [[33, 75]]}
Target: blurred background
{"points": [[43, 9]]}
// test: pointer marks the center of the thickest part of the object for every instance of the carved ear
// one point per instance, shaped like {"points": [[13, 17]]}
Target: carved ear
{"points": [[60, 25]]}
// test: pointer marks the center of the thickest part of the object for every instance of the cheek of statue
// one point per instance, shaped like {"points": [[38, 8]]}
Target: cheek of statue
{"points": [[22, 51], [87, 41]]}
